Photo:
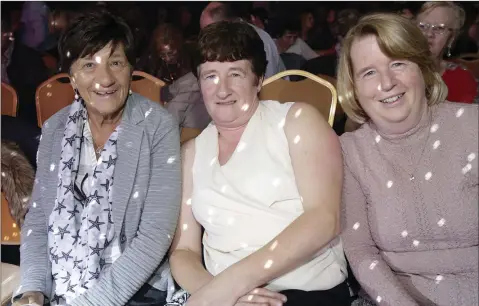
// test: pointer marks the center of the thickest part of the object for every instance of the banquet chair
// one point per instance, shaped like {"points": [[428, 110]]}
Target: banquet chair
{"points": [[188, 133], [9, 100], [315, 90], [147, 85], [53, 95]]}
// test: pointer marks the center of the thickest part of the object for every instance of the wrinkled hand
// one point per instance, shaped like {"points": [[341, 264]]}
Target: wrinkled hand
{"points": [[261, 297], [30, 298]]}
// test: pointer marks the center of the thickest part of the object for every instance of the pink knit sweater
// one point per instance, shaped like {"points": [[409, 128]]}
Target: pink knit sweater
{"points": [[415, 242]]}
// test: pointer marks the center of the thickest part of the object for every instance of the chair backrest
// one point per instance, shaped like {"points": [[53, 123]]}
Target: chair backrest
{"points": [[188, 133], [471, 62], [53, 95], [469, 56], [147, 85], [313, 90], [9, 100], [10, 230]]}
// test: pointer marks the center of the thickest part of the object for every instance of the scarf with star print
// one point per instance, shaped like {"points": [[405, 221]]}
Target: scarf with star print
{"points": [[80, 225]]}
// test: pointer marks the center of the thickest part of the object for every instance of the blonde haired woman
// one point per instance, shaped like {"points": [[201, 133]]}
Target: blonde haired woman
{"points": [[410, 190], [441, 23]]}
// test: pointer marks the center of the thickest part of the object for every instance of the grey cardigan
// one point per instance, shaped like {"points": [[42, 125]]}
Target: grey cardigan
{"points": [[148, 166]]}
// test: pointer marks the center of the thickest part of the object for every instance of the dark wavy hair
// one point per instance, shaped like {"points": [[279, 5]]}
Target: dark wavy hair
{"points": [[230, 41]]}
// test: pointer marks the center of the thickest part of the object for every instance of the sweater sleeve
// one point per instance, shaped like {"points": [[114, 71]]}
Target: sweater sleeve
{"points": [[371, 271], [156, 229], [34, 261]]}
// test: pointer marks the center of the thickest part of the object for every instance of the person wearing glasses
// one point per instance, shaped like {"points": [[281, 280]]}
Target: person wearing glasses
{"points": [[441, 23]]}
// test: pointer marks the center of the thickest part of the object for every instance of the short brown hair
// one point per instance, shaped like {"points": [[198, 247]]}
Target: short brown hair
{"points": [[230, 41], [397, 38], [90, 32]]}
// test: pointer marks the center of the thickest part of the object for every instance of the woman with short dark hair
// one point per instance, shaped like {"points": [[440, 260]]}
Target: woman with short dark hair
{"points": [[105, 200], [264, 182]]}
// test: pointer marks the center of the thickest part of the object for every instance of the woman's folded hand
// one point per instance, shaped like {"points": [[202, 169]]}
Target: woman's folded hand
{"points": [[30, 298]]}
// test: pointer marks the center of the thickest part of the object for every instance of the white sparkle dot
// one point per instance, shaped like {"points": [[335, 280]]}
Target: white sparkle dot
{"points": [[439, 278], [13, 154], [25, 200], [148, 112], [428, 176], [34, 204], [356, 226], [378, 138], [19, 288], [434, 127], [436, 144], [135, 195], [268, 264], [171, 159], [102, 236], [404, 234], [298, 113], [250, 297], [241, 147], [213, 161], [274, 245], [244, 245], [466, 169], [52, 167], [169, 236], [211, 211], [281, 123], [97, 86], [245, 107], [373, 265], [379, 299], [68, 53], [415, 243], [390, 184], [471, 157], [185, 227], [460, 112], [297, 139], [276, 182], [188, 202], [29, 232], [441, 222], [98, 59], [3, 174]]}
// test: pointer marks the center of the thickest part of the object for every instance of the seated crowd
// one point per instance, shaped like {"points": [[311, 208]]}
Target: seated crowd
{"points": [[268, 205]]}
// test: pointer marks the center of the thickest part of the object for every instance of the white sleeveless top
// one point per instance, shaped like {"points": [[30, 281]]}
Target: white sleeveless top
{"points": [[245, 203]]}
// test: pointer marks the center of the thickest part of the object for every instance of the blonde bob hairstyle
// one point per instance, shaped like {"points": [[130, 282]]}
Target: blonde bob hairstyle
{"points": [[398, 38]]}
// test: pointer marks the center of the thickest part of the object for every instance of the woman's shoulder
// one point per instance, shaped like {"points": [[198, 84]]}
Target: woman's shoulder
{"points": [[153, 112], [466, 112]]}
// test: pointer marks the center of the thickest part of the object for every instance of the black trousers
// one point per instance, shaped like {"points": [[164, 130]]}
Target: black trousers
{"points": [[148, 296], [337, 296]]}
